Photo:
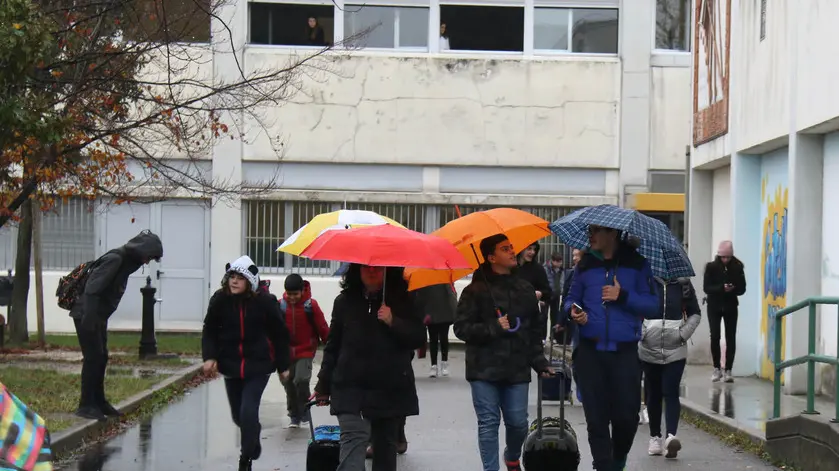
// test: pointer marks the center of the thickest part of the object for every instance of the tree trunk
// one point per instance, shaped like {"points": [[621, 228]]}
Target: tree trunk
{"points": [[18, 329]]}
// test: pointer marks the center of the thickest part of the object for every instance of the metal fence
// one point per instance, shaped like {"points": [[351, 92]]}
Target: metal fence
{"points": [[68, 237], [269, 223]]}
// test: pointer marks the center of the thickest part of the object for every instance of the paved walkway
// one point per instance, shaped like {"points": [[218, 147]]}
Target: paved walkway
{"points": [[197, 434], [747, 402]]}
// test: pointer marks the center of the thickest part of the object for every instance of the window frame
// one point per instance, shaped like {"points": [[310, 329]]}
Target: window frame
{"points": [[551, 4], [672, 52], [434, 6], [389, 4]]}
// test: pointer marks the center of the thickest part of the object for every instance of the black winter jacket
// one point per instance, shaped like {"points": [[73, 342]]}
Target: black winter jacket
{"points": [[246, 335], [366, 363], [493, 354], [717, 274], [437, 301], [107, 280], [534, 274]]}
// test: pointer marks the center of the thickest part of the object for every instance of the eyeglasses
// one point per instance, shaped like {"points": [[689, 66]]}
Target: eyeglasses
{"points": [[596, 229]]}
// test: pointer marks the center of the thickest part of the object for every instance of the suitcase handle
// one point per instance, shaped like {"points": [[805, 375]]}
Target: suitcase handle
{"points": [[308, 408], [562, 380]]}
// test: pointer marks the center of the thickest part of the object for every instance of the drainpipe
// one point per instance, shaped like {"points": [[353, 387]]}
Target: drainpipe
{"points": [[687, 197]]}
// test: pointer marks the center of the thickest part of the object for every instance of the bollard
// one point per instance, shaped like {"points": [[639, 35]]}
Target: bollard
{"points": [[148, 341]]}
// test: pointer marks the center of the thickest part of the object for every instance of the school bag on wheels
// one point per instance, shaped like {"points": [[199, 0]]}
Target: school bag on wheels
{"points": [[551, 444], [324, 446], [558, 387]]}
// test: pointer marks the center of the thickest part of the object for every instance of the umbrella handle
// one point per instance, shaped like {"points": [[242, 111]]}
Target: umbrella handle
{"points": [[511, 329]]}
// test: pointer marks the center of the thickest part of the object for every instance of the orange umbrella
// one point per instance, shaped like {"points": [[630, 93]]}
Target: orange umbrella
{"points": [[466, 234]]}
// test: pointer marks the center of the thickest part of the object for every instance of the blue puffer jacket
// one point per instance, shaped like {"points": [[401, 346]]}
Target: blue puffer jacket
{"points": [[618, 321]]}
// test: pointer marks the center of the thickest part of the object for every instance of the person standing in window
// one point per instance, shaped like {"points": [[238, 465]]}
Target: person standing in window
{"points": [[314, 33], [444, 38]]}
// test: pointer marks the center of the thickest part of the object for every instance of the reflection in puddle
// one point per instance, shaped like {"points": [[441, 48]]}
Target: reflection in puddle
{"points": [[725, 395], [95, 458]]}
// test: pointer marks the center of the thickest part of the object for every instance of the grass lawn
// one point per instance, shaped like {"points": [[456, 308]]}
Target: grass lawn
{"points": [[182, 344], [55, 395]]}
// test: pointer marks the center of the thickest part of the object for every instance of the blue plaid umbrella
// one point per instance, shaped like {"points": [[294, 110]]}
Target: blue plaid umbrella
{"points": [[665, 253]]}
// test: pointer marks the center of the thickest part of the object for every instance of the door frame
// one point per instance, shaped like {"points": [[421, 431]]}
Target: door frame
{"points": [[155, 225]]}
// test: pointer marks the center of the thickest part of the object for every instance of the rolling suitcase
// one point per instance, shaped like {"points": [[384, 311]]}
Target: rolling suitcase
{"points": [[324, 446], [551, 444], [558, 388]]}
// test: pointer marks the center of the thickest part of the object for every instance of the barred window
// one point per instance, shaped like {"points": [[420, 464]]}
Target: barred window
{"points": [[68, 237], [270, 223]]}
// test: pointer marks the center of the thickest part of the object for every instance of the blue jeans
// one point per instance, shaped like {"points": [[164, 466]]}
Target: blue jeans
{"points": [[491, 400], [244, 396]]}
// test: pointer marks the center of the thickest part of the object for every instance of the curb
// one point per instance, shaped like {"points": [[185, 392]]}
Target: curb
{"points": [[73, 437], [728, 425]]}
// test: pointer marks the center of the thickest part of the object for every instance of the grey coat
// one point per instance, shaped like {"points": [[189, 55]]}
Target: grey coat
{"points": [[665, 334]]}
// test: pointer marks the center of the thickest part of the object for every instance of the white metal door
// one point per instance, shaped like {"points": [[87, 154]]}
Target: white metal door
{"points": [[181, 277], [122, 223]]}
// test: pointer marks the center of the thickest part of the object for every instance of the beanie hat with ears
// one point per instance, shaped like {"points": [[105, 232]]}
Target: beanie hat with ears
{"points": [[244, 266]]}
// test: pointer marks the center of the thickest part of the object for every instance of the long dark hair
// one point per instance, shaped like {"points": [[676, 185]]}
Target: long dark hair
{"points": [[395, 284]]}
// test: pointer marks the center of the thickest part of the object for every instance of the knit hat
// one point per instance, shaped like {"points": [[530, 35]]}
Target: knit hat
{"points": [[244, 266]]}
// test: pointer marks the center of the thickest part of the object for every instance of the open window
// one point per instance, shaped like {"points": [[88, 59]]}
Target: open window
{"points": [[292, 24], [483, 28], [386, 26], [580, 30]]}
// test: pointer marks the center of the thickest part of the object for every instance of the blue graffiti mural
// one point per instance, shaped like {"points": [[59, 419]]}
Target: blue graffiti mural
{"points": [[775, 268]]}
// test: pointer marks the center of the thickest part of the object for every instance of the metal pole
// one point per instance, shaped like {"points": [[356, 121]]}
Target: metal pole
{"points": [[776, 385], [686, 238], [811, 365], [148, 342]]}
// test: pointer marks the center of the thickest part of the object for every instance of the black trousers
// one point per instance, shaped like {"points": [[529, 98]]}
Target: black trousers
{"points": [[244, 396], [610, 382], [729, 318], [94, 345], [438, 336]]}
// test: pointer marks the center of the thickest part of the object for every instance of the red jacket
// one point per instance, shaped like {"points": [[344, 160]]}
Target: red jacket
{"points": [[304, 336]]}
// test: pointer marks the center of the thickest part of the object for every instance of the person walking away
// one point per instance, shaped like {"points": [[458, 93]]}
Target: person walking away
{"points": [[437, 304], [307, 328], [663, 353], [366, 372], [556, 274], [103, 290], [612, 290], [529, 270], [498, 360], [562, 320], [723, 283], [245, 340]]}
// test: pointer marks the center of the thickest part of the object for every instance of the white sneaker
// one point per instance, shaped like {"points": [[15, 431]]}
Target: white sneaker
{"points": [[728, 377], [672, 445], [643, 416], [433, 372], [444, 368], [716, 376], [655, 448]]}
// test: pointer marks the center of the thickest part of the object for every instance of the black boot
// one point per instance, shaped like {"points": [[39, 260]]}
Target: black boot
{"points": [[110, 410], [91, 412], [245, 464]]}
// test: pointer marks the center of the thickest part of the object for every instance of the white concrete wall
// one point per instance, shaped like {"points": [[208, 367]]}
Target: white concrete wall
{"points": [[373, 108], [721, 209], [670, 117]]}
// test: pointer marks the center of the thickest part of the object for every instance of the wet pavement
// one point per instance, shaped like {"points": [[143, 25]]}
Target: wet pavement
{"points": [[747, 400], [197, 434]]}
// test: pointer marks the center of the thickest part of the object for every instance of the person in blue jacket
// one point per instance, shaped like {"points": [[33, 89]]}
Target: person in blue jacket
{"points": [[613, 288]]}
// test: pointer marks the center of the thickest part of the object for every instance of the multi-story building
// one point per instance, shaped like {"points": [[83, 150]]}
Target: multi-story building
{"points": [[765, 146], [547, 105]]}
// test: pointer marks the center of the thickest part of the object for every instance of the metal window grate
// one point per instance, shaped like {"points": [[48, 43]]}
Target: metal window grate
{"points": [[269, 223], [762, 20], [68, 237]]}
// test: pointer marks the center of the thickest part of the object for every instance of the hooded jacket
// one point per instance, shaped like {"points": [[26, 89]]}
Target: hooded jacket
{"points": [[717, 274], [305, 336], [245, 333], [613, 323], [108, 278], [493, 354], [366, 363], [665, 334]]}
